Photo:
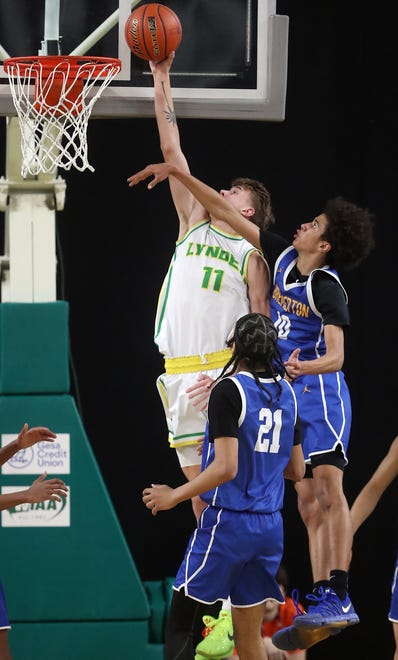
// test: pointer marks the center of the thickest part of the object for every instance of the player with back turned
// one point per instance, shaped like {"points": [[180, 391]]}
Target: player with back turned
{"points": [[252, 442]]}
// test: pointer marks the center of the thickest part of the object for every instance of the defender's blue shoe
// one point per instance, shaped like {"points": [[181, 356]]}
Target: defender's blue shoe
{"points": [[329, 611], [293, 638]]}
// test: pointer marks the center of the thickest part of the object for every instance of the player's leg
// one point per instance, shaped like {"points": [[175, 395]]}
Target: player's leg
{"points": [[247, 630], [330, 604], [328, 486], [186, 427], [184, 626], [395, 630], [5, 651], [312, 517]]}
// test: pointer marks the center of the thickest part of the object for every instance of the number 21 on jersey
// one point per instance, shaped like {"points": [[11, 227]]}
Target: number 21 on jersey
{"points": [[269, 431]]}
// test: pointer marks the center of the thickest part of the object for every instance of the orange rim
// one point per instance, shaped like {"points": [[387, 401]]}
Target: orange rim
{"points": [[70, 63]]}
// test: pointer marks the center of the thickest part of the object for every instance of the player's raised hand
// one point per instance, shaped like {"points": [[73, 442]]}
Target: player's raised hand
{"points": [[28, 437], [159, 171], [162, 65], [46, 489]]}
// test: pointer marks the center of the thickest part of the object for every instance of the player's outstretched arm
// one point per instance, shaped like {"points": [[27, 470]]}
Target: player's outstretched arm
{"points": [[371, 493], [199, 392], [215, 203], [159, 171], [189, 210], [41, 489], [160, 497], [26, 438]]}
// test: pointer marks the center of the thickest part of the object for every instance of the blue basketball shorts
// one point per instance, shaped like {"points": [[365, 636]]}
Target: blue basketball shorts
{"points": [[324, 408], [235, 554]]}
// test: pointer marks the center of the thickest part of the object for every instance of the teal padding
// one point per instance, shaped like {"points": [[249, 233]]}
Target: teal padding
{"points": [[155, 593], [168, 583], [80, 640], [34, 348], [84, 572]]}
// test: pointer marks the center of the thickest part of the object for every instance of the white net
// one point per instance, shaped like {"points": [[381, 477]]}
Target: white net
{"points": [[54, 97]]}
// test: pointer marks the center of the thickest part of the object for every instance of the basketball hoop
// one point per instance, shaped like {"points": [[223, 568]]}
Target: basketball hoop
{"points": [[53, 116]]}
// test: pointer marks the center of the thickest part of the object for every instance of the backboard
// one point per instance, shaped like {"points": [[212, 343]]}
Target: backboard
{"points": [[231, 64]]}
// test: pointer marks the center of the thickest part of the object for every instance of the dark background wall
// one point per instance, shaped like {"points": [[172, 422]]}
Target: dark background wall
{"points": [[114, 245]]}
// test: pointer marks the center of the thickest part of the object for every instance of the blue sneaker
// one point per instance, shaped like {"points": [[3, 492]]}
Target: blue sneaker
{"points": [[293, 638], [328, 611]]}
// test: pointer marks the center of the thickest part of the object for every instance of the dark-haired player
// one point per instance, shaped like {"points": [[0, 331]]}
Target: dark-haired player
{"points": [[249, 447]]}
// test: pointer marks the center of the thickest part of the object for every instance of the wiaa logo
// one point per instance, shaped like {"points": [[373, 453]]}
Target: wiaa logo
{"points": [[51, 508]]}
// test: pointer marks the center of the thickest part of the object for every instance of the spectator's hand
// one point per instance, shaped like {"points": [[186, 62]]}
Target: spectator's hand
{"points": [[46, 489], [158, 497], [277, 655], [199, 449], [199, 392], [273, 653], [293, 364], [28, 437]]}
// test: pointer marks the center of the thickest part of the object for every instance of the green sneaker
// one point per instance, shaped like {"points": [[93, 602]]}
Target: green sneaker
{"points": [[219, 640], [209, 622]]}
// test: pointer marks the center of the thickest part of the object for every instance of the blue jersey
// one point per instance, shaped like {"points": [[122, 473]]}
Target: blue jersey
{"points": [[324, 401], [237, 546], [265, 435], [293, 311]]}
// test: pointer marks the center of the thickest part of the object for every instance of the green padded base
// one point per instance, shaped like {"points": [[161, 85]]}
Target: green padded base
{"points": [[84, 572], [159, 593], [72, 590], [34, 348], [157, 605], [79, 640]]}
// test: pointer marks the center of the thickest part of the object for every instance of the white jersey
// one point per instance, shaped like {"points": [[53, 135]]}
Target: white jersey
{"points": [[203, 293]]}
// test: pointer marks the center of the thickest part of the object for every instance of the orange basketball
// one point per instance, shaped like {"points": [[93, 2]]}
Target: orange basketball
{"points": [[153, 31]]}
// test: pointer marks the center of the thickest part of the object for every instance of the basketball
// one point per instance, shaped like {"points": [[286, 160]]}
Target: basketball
{"points": [[153, 31]]}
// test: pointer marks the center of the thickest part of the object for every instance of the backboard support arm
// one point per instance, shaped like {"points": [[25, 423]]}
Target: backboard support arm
{"points": [[51, 45], [28, 267]]}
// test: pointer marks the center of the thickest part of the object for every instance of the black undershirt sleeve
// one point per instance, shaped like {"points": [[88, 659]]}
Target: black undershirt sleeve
{"points": [[224, 409], [330, 300], [298, 434]]}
